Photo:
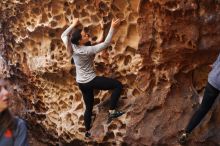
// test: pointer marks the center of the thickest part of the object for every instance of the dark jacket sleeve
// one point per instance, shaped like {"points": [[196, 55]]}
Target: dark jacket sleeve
{"points": [[20, 138]]}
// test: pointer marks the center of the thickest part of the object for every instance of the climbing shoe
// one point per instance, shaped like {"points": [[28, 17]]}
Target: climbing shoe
{"points": [[114, 115], [87, 134], [183, 138]]}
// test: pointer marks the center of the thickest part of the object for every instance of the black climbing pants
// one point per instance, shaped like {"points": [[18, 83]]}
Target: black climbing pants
{"points": [[209, 97], [100, 83]]}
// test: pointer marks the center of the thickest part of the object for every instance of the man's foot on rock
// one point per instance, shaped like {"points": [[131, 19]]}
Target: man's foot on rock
{"points": [[114, 115], [183, 138], [87, 134]]}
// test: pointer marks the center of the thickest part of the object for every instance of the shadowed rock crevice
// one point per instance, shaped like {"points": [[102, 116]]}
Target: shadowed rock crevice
{"points": [[161, 53]]}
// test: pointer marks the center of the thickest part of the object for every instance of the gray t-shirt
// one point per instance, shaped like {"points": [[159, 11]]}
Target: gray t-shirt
{"points": [[16, 138], [83, 57], [214, 75]]}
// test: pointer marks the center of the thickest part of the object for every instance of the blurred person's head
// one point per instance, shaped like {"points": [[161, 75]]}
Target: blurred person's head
{"points": [[6, 118], [80, 37], [4, 95]]}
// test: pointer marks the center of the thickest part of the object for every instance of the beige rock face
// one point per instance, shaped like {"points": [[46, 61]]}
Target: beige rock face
{"points": [[160, 53]]}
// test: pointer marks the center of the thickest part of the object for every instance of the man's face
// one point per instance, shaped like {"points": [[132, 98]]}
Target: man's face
{"points": [[85, 36], [4, 96]]}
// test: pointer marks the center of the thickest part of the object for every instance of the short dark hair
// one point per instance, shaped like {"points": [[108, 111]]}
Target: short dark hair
{"points": [[76, 36]]}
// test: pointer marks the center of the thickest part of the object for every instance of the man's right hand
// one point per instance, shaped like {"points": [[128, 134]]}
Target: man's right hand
{"points": [[115, 23], [75, 21]]}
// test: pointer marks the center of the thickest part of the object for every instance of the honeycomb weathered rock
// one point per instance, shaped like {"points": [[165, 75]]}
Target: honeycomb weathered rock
{"points": [[160, 53]]}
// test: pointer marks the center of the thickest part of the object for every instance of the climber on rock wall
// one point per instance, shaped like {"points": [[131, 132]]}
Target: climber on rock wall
{"points": [[211, 93], [81, 48], [13, 130]]}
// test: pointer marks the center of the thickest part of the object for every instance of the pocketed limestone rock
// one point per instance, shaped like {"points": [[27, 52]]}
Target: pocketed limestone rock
{"points": [[160, 53]]}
